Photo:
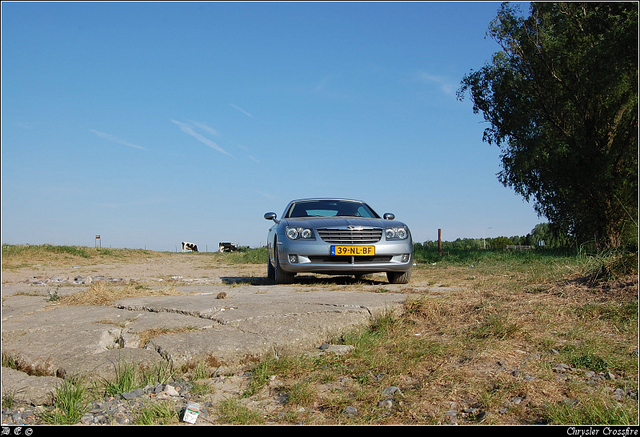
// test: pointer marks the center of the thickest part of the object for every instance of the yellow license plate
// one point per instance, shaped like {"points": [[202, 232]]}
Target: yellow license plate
{"points": [[353, 250]]}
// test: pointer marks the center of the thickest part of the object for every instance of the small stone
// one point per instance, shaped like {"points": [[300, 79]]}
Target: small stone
{"points": [[391, 390], [221, 295], [618, 394], [451, 416], [133, 394], [387, 403], [350, 411], [102, 419], [561, 368], [516, 400], [339, 349], [122, 419], [171, 391], [163, 396]]}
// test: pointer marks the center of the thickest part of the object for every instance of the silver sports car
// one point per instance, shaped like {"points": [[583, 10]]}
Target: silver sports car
{"points": [[337, 237]]}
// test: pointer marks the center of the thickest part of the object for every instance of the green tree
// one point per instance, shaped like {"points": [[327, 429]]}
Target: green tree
{"points": [[500, 243], [553, 238], [561, 98]]}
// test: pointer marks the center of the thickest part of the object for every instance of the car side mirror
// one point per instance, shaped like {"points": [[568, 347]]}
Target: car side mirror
{"points": [[271, 216], [389, 216]]}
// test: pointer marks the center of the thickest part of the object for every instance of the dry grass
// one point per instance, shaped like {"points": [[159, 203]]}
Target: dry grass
{"points": [[18, 256], [483, 350], [100, 293]]}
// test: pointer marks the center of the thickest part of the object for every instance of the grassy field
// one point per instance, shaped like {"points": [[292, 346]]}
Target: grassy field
{"points": [[532, 337], [497, 338]]}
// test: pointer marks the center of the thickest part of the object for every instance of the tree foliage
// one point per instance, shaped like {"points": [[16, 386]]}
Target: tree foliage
{"points": [[561, 98]]}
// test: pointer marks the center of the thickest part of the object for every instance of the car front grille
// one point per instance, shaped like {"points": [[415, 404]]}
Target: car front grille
{"points": [[350, 236]]}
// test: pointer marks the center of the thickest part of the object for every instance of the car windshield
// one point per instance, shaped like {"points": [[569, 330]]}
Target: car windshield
{"points": [[329, 208]]}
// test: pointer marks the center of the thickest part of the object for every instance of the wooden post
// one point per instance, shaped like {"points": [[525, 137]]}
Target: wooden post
{"points": [[439, 242]]}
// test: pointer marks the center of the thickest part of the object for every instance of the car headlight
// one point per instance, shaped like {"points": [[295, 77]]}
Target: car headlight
{"points": [[294, 233], [401, 233]]}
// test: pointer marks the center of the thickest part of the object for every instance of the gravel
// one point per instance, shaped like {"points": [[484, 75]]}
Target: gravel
{"points": [[123, 409]]}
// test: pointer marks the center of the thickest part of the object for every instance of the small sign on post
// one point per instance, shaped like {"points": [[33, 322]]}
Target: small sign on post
{"points": [[98, 242]]}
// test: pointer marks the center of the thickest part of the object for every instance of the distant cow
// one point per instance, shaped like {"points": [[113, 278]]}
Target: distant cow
{"points": [[189, 246], [227, 247]]}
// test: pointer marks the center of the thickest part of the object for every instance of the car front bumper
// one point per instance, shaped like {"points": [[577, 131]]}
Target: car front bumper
{"points": [[315, 257]]}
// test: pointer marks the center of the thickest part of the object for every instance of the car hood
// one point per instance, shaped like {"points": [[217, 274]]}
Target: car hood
{"points": [[341, 222]]}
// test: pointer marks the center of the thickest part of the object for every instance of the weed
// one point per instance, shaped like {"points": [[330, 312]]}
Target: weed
{"points": [[131, 376], [8, 398], [262, 373], [608, 266], [127, 379], [55, 296], [157, 414], [70, 403], [200, 388], [301, 393], [232, 412], [497, 326], [591, 411]]}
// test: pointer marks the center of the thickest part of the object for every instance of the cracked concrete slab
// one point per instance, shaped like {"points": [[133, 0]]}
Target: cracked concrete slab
{"points": [[251, 321], [36, 390], [257, 321]]}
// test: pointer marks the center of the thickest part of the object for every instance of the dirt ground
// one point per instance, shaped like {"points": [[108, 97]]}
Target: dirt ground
{"points": [[153, 270], [172, 269]]}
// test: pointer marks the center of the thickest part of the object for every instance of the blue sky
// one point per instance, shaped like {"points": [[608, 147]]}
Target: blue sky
{"points": [[155, 123]]}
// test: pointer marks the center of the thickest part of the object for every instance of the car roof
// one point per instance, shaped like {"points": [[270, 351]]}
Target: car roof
{"points": [[326, 198]]}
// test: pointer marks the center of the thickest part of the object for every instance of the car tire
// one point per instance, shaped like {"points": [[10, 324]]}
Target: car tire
{"points": [[399, 277], [279, 275]]}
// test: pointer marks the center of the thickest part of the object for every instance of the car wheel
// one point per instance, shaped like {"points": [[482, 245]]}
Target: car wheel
{"points": [[399, 277], [280, 276]]}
